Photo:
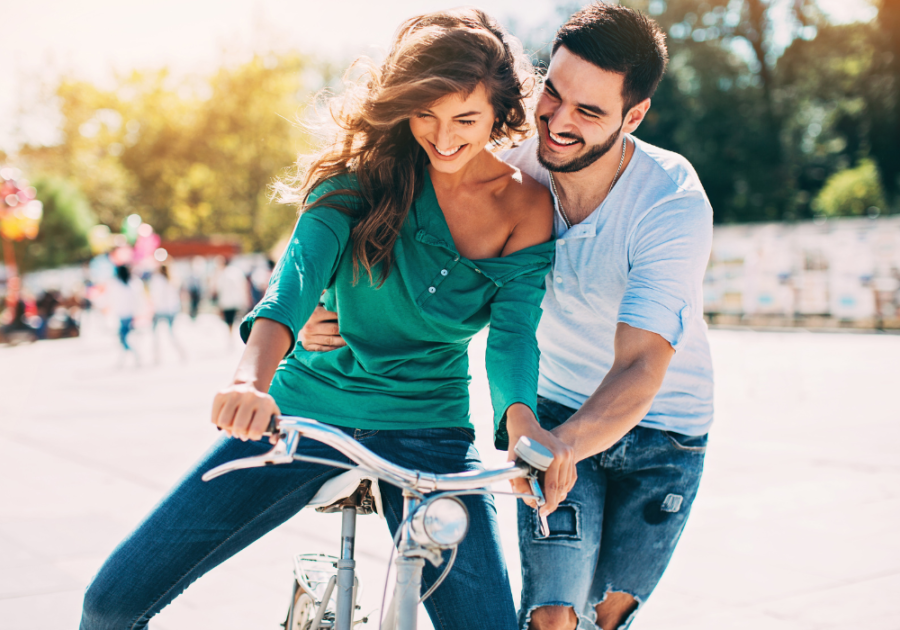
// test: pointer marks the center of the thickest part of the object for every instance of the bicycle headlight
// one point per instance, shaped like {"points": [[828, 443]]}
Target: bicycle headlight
{"points": [[442, 522]]}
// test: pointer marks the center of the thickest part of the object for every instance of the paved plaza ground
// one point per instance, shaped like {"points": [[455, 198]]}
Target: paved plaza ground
{"points": [[795, 527]]}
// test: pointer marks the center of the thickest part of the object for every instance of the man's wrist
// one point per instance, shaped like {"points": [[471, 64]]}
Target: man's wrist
{"points": [[567, 433]]}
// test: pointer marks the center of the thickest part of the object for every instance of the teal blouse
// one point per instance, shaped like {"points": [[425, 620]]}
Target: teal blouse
{"points": [[405, 365]]}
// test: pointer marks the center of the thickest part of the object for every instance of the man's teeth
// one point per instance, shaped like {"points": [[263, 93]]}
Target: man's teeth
{"points": [[559, 140], [449, 152]]}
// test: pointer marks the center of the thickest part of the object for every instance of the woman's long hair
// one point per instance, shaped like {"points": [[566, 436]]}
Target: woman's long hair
{"points": [[433, 55]]}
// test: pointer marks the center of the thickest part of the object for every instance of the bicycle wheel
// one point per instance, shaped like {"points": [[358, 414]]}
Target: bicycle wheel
{"points": [[302, 611]]}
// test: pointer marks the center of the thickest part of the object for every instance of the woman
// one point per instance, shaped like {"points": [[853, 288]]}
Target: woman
{"points": [[419, 237]]}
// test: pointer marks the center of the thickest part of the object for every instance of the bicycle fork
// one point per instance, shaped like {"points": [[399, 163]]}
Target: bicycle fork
{"points": [[402, 614]]}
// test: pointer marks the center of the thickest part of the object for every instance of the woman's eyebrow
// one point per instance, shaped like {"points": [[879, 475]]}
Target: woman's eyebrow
{"points": [[472, 113]]}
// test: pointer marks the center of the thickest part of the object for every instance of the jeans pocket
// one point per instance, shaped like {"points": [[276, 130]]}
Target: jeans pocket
{"points": [[687, 443], [564, 523]]}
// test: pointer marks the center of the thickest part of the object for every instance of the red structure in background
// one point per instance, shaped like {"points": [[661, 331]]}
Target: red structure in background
{"points": [[197, 247]]}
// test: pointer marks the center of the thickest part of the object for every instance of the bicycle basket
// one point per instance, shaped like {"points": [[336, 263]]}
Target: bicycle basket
{"points": [[312, 572]]}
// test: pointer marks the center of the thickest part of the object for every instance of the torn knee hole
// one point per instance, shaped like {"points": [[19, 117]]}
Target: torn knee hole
{"points": [[553, 618], [615, 610]]}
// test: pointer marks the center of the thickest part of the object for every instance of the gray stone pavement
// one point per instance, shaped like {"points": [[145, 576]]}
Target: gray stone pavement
{"points": [[795, 525]]}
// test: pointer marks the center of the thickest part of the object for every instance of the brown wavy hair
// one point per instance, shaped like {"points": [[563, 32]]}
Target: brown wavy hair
{"points": [[432, 56]]}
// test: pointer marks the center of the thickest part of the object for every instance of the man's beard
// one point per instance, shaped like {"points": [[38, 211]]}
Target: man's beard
{"points": [[582, 161]]}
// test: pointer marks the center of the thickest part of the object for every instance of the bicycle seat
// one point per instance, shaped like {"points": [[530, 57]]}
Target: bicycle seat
{"points": [[352, 488]]}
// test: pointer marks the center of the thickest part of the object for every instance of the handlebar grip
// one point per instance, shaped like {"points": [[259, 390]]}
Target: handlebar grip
{"points": [[534, 453]]}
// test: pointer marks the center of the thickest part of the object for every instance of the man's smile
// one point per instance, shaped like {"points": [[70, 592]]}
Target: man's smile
{"points": [[560, 140]]}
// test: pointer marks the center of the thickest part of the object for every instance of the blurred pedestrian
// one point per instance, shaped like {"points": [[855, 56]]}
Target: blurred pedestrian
{"points": [[15, 324], [46, 305], [194, 285], [165, 298], [232, 293], [259, 281], [126, 294]]}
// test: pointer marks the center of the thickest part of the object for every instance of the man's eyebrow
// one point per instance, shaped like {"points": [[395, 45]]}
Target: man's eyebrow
{"points": [[599, 111]]}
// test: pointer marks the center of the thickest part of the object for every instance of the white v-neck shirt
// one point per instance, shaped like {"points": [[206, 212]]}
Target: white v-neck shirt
{"points": [[639, 258]]}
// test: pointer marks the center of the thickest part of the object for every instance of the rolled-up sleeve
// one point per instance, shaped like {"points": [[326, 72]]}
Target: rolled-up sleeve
{"points": [[512, 354], [305, 269], [668, 257]]}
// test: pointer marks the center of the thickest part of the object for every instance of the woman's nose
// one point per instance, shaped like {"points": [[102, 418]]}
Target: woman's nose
{"points": [[444, 137]]}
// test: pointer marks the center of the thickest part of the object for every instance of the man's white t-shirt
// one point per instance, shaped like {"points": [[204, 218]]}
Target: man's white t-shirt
{"points": [[639, 258]]}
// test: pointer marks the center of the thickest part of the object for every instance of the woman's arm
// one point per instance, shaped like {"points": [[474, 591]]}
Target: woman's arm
{"points": [[512, 356], [270, 330], [243, 408], [512, 366]]}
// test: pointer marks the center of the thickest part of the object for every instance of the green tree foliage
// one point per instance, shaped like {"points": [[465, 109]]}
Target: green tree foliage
{"points": [[766, 125], [883, 98], [62, 238], [765, 118], [194, 157], [851, 192]]}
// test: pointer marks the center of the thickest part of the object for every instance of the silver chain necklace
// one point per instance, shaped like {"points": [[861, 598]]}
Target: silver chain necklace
{"points": [[562, 210]]}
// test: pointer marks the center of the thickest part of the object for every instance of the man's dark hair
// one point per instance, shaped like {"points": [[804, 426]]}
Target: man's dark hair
{"points": [[618, 39]]}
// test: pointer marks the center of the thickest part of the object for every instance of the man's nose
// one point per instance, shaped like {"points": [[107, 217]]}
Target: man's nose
{"points": [[560, 120]]}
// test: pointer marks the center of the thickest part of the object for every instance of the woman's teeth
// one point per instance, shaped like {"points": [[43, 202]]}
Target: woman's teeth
{"points": [[449, 152], [559, 140]]}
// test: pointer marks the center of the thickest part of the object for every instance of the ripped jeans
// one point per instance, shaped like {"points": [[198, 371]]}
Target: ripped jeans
{"points": [[617, 528]]}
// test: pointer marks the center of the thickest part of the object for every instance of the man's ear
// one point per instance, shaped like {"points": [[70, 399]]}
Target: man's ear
{"points": [[635, 116]]}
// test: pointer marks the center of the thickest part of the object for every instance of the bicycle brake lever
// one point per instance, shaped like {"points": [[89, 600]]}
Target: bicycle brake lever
{"points": [[272, 429], [281, 453], [539, 497]]}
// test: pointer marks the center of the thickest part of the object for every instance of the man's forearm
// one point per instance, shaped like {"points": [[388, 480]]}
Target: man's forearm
{"points": [[617, 406]]}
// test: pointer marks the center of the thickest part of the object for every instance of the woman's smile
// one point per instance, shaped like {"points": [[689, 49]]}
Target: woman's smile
{"points": [[449, 153]]}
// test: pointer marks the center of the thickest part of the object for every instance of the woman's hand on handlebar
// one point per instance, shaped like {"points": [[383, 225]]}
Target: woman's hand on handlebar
{"points": [[321, 332], [243, 411], [560, 477]]}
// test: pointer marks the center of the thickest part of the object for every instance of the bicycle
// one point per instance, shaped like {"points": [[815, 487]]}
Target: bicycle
{"points": [[434, 520]]}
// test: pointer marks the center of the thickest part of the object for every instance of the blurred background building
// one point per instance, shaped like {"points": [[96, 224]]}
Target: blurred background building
{"points": [[817, 273]]}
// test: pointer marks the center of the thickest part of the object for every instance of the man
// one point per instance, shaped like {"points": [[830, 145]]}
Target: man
{"points": [[626, 378]]}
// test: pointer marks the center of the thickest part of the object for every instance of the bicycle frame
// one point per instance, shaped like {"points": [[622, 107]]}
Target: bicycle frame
{"points": [[412, 551]]}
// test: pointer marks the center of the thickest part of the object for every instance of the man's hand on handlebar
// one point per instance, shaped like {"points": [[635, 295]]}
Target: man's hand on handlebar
{"points": [[560, 477], [243, 412], [321, 332]]}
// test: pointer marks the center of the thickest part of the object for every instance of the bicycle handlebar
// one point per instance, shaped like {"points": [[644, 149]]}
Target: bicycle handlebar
{"points": [[291, 428]]}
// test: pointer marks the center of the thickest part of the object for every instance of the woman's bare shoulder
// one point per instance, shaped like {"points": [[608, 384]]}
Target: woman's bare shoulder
{"points": [[530, 205]]}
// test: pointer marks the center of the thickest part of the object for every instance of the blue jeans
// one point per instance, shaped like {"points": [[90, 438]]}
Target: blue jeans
{"points": [[125, 326], [199, 525], [617, 528], [169, 318]]}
